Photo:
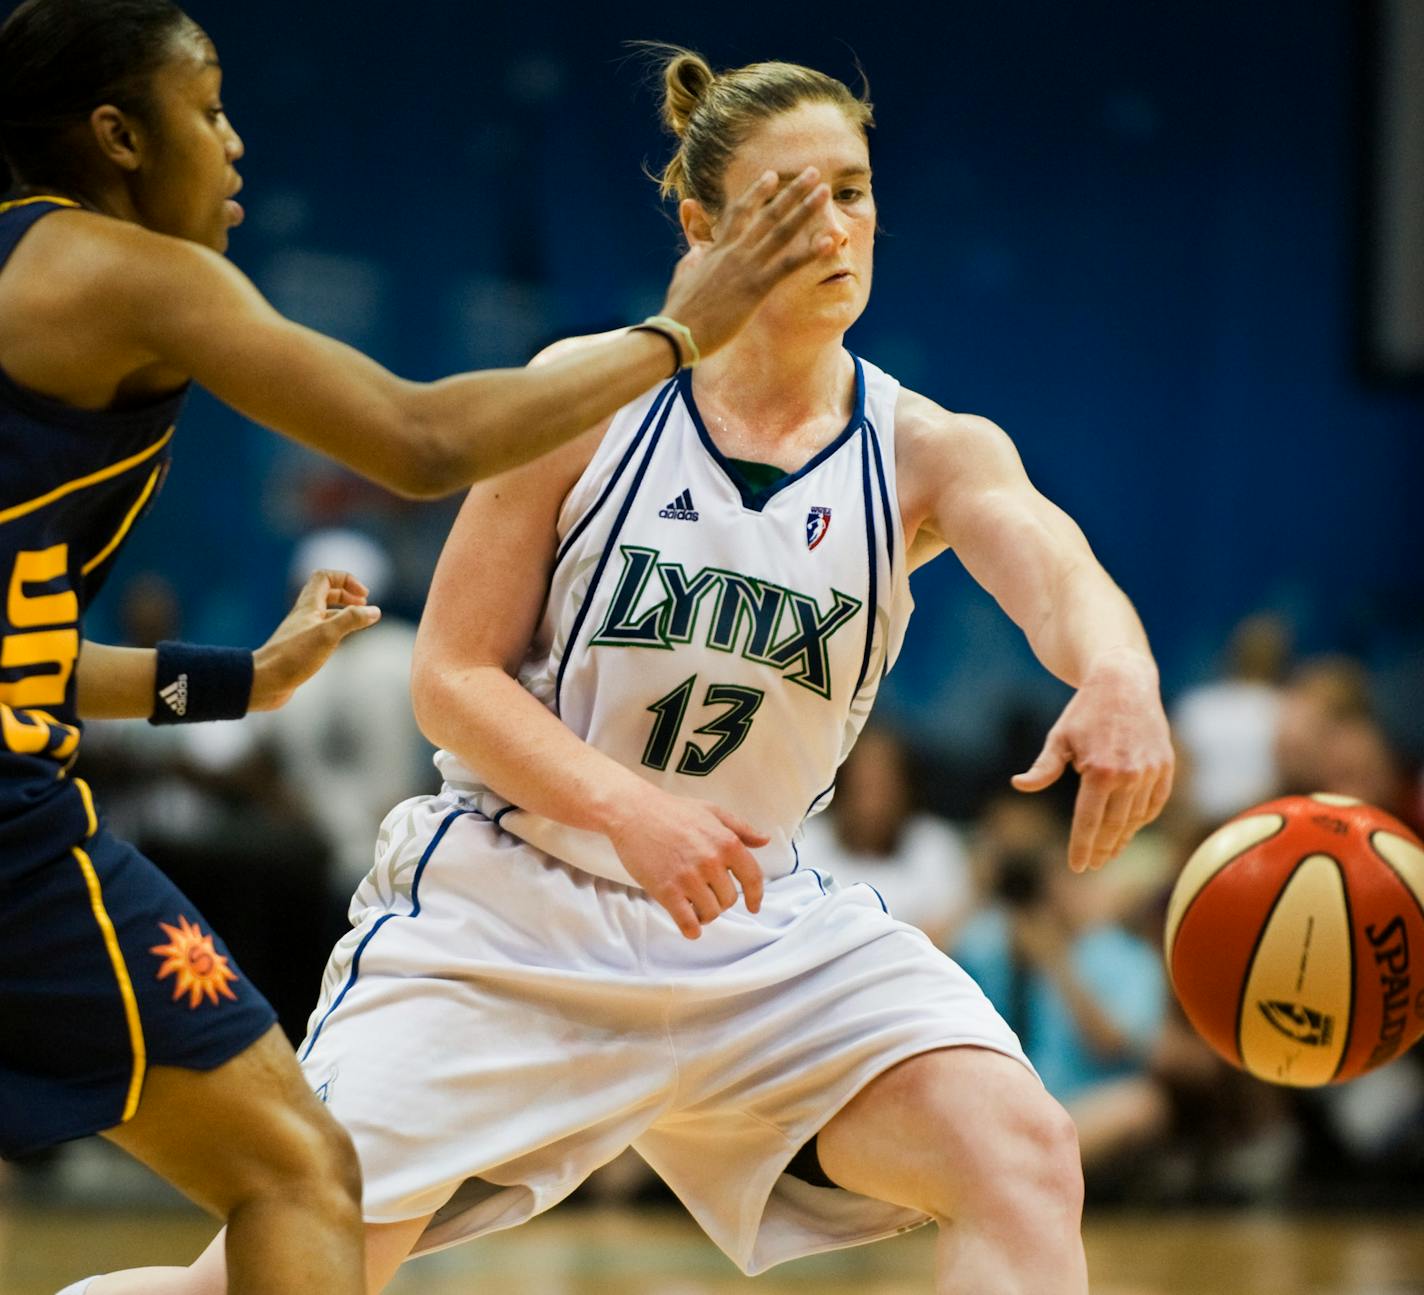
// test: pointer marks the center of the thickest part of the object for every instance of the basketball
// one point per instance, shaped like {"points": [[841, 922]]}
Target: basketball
{"points": [[1291, 938]]}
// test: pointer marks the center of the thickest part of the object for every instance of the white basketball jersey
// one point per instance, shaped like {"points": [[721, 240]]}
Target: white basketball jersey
{"points": [[723, 644]]}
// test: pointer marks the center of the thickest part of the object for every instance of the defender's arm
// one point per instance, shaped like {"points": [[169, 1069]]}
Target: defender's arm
{"points": [[183, 306]]}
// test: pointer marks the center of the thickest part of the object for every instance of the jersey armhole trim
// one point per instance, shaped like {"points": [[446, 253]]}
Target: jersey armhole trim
{"points": [[583, 522]]}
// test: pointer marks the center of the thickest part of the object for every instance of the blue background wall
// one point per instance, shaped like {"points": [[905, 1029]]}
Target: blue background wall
{"points": [[1126, 232]]}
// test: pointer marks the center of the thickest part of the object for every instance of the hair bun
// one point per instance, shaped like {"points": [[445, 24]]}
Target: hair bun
{"points": [[687, 77]]}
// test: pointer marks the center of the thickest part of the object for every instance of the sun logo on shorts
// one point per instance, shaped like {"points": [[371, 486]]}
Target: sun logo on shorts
{"points": [[198, 968]]}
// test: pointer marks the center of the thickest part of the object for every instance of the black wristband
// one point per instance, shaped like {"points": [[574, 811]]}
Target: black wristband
{"points": [[193, 684], [668, 338]]}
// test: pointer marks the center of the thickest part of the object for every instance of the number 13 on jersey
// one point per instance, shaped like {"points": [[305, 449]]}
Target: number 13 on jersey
{"points": [[730, 728]]}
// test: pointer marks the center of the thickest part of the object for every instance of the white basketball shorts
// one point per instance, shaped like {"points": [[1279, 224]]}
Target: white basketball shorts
{"points": [[498, 1024]]}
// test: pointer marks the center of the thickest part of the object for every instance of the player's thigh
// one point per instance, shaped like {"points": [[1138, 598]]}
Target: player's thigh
{"points": [[950, 1132], [242, 1129]]}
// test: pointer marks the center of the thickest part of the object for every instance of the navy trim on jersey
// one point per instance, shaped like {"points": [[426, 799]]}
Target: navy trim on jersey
{"points": [[884, 497], [381, 921], [584, 521], [878, 896], [608, 548], [872, 546], [756, 500], [498, 819], [817, 799]]}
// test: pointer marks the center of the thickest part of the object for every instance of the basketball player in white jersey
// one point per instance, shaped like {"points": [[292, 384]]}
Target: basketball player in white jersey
{"points": [[644, 659]]}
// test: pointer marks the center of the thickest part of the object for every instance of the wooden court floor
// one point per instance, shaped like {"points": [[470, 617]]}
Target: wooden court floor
{"points": [[617, 1251]]}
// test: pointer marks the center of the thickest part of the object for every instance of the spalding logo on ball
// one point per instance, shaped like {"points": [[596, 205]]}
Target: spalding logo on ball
{"points": [[1295, 939]]}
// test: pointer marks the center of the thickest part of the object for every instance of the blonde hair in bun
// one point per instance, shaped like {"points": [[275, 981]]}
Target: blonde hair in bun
{"points": [[713, 113], [686, 79]]}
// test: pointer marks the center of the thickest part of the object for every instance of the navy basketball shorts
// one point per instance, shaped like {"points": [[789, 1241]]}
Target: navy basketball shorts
{"points": [[106, 970]]}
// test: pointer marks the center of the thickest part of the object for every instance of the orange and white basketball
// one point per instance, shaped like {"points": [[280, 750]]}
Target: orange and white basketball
{"points": [[1295, 939]]}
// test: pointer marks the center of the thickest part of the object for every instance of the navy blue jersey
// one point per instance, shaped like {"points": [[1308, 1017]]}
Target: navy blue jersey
{"points": [[106, 968], [72, 484]]}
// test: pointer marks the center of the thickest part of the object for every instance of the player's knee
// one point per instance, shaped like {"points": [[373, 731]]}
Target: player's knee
{"points": [[308, 1152], [333, 1157], [1055, 1138], [344, 1168], [1039, 1173], [1024, 1170]]}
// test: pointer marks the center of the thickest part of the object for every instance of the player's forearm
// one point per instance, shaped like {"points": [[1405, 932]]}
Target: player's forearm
{"points": [[417, 438], [115, 682], [486, 423], [520, 749], [1086, 624]]}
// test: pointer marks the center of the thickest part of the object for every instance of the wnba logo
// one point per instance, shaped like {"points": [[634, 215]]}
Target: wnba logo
{"points": [[1303, 1024], [818, 522]]}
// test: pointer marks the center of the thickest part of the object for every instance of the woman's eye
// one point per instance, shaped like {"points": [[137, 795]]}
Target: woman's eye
{"points": [[850, 195]]}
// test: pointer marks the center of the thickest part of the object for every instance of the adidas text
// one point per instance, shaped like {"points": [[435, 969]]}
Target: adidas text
{"points": [[680, 509], [176, 695]]}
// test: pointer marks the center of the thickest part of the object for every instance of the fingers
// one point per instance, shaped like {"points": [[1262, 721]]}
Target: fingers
{"points": [[1161, 793], [325, 589], [722, 888], [748, 871], [681, 911], [350, 620], [753, 199], [1137, 816], [1117, 824], [786, 215], [1044, 771], [743, 865], [1110, 810], [748, 834], [1088, 812], [701, 892], [793, 261]]}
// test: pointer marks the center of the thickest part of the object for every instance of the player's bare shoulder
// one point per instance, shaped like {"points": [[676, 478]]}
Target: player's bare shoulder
{"points": [[945, 461], [82, 258], [97, 281]]}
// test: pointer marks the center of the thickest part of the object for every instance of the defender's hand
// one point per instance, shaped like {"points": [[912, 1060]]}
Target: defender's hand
{"points": [[762, 239], [331, 605], [688, 855], [1114, 733]]}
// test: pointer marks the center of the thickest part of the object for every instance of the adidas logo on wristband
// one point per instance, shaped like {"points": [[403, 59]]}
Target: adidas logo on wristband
{"points": [[176, 695]]}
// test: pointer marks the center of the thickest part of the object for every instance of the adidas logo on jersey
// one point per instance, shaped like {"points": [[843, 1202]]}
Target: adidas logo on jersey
{"points": [[176, 695], [681, 509]]}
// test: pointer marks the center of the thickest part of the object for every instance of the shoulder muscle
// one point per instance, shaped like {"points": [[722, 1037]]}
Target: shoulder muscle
{"points": [[949, 464]]}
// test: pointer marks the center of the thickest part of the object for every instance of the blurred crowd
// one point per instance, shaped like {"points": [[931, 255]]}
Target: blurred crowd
{"points": [[269, 825]]}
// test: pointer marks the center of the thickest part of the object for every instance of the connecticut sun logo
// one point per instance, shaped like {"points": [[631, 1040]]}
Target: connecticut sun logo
{"points": [[818, 522], [198, 969]]}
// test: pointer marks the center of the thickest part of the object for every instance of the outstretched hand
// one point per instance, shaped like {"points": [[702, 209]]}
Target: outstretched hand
{"points": [[761, 239], [331, 606], [1114, 733]]}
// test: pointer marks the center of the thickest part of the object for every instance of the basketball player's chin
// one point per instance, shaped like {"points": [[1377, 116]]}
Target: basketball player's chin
{"points": [[833, 317]]}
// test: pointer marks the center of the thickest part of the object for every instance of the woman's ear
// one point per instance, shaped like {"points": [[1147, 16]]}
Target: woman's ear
{"points": [[116, 136], [697, 225]]}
